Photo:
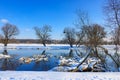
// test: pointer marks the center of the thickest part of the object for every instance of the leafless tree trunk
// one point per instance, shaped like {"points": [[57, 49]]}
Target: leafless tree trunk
{"points": [[116, 38], [82, 21], [112, 11], [94, 36], [106, 52], [70, 35], [88, 54], [43, 33], [8, 32], [71, 53]]}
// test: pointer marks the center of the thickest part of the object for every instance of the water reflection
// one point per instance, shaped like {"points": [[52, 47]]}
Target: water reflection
{"points": [[39, 63], [5, 52], [45, 65], [7, 63], [13, 63], [71, 53], [44, 51]]}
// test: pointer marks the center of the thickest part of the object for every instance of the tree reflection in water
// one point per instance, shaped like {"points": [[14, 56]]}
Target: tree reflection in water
{"points": [[8, 63], [45, 65], [39, 65], [71, 53], [44, 51], [5, 52], [14, 64]]}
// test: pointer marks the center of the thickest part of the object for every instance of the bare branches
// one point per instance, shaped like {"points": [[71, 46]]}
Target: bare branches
{"points": [[43, 33], [70, 35], [83, 19], [8, 32], [112, 11], [94, 34]]}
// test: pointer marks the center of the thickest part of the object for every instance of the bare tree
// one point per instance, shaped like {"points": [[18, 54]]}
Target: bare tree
{"points": [[112, 11], [82, 21], [70, 35], [82, 18], [116, 41], [43, 33], [94, 36], [8, 32], [116, 38], [79, 39]]}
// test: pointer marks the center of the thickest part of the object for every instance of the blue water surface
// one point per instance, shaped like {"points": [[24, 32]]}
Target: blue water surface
{"points": [[29, 51]]}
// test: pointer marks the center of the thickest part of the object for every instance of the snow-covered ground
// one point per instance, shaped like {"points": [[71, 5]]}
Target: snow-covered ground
{"points": [[18, 75], [14, 45], [25, 44], [29, 46]]}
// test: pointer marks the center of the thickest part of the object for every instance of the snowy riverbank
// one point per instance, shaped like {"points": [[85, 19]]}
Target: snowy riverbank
{"points": [[23, 75], [36, 44], [33, 44]]}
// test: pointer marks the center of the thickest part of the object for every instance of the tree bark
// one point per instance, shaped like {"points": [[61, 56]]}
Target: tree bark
{"points": [[82, 61], [71, 53], [106, 51], [44, 44]]}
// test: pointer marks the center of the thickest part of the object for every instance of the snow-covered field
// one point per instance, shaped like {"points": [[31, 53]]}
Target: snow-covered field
{"points": [[17, 75]]}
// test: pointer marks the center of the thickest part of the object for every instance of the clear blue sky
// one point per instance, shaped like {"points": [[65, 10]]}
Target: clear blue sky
{"points": [[58, 13]]}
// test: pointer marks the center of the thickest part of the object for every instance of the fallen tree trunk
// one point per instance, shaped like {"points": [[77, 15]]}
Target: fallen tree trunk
{"points": [[76, 69], [106, 52]]}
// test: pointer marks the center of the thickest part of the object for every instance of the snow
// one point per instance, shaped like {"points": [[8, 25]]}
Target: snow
{"points": [[31, 46], [62, 69], [68, 62], [4, 56], [83, 67], [25, 44], [18, 75]]}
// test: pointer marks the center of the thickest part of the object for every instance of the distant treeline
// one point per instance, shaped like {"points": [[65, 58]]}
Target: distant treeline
{"points": [[49, 41], [37, 41]]}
